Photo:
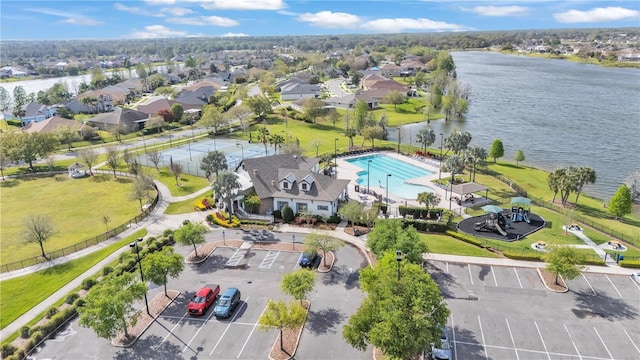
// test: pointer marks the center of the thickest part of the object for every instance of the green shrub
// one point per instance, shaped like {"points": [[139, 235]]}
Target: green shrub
{"points": [[18, 355], [630, 263], [287, 214], [277, 214], [149, 240], [465, 238], [209, 218], [51, 311], [88, 283], [37, 336], [24, 332], [71, 298], [79, 303], [526, 257], [6, 350], [107, 270], [334, 219], [29, 345]]}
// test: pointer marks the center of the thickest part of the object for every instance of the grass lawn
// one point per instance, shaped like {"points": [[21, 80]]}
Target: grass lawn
{"points": [[442, 244], [185, 206], [17, 295], [76, 208], [188, 184]]}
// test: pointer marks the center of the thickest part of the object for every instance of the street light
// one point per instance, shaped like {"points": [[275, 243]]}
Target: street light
{"points": [[335, 157], [224, 241], [440, 169], [388, 176], [398, 260], [190, 159], [135, 245], [241, 148], [399, 134], [368, 163], [293, 241]]}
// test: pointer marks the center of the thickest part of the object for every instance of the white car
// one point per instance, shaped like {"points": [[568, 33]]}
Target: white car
{"points": [[442, 352]]}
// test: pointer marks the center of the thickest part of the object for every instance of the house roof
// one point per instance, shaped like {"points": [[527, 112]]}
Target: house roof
{"points": [[33, 109], [53, 124], [265, 170], [155, 106], [387, 85], [295, 88], [119, 116], [195, 98]]}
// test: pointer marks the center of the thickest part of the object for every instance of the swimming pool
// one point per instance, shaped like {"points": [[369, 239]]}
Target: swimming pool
{"points": [[381, 165]]}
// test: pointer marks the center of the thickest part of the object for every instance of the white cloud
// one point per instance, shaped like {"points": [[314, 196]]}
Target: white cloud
{"points": [[611, 13], [397, 25], [229, 34], [204, 20], [330, 19], [156, 32], [241, 4], [160, 2], [75, 19], [136, 10], [501, 10], [176, 11]]}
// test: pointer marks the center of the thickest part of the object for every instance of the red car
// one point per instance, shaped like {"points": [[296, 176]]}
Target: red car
{"points": [[203, 299]]}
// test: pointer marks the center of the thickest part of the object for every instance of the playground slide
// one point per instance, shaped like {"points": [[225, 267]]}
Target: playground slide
{"points": [[513, 216], [525, 217], [500, 230], [480, 225], [519, 215]]}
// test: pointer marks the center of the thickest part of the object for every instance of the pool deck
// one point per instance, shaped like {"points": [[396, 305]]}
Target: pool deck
{"points": [[347, 170]]}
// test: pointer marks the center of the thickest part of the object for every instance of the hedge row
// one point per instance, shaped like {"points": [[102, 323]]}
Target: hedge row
{"points": [[420, 213], [425, 226], [630, 263]]}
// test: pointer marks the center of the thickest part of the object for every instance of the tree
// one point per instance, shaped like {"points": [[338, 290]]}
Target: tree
{"points": [[276, 140], [372, 133], [263, 137], [425, 137], [176, 170], [212, 119], [19, 98], [140, 191], [167, 117], [28, 147], [260, 105], [241, 114], [225, 187], [633, 183], [321, 242], [497, 150], [350, 133], [142, 73], [585, 175], [382, 319], [518, 156], [161, 265], [38, 229], [620, 203], [4, 162], [352, 211], [282, 316], [475, 155], [313, 108], [113, 159], [213, 162], [109, 307], [252, 202], [564, 261], [89, 158], [316, 143], [298, 284], [389, 235], [361, 115], [177, 110], [395, 97], [155, 157], [191, 234], [455, 165], [67, 135], [457, 141], [5, 100], [428, 199], [156, 123]]}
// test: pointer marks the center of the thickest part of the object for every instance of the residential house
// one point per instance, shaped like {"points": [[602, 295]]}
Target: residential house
{"points": [[155, 104], [35, 112], [390, 70], [411, 67], [53, 124], [197, 95], [293, 181], [294, 91], [349, 101], [102, 103], [126, 120], [369, 79]]}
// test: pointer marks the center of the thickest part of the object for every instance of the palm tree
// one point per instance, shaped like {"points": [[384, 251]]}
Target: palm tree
{"points": [[425, 137], [586, 175], [350, 133], [225, 187], [213, 162], [475, 155], [455, 165], [263, 137], [457, 141], [428, 199], [276, 140]]}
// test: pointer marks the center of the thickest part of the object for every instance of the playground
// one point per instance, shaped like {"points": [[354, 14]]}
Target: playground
{"points": [[504, 224]]}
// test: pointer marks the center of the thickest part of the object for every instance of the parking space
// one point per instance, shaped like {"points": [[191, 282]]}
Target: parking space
{"points": [[596, 319]]}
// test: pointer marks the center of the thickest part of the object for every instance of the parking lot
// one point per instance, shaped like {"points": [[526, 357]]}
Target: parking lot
{"points": [[176, 335], [507, 313]]}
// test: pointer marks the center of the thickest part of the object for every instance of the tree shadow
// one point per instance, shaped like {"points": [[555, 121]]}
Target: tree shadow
{"points": [[9, 183], [324, 321], [212, 264], [484, 271], [448, 285], [342, 274], [472, 348], [602, 305], [150, 347]]}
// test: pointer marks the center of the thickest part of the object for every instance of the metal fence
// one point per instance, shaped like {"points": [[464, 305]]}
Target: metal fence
{"points": [[21, 264]]}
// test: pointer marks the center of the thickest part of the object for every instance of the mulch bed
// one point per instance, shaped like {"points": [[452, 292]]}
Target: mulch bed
{"points": [[549, 280], [290, 338], [351, 229]]}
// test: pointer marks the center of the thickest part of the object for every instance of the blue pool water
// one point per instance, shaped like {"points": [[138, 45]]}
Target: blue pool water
{"points": [[381, 165]]}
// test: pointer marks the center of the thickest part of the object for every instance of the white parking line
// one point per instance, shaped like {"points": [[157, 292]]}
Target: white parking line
{"points": [[484, 344], [542, 339], [447, 264], [453, 333], [517, 277], [494, 276], [235, 258], [611, 282], [573, 342], [634, 282], [602, 341], [512, 341], [588, 283], [228, 325], [269, 259], [632, 343], [297, 261], [174, 326], [532, 351], [470, 277], [251, 333], [199, 328]]}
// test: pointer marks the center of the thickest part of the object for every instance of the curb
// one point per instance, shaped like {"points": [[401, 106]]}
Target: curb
{"points": [[330, 266], [295, 349], [550, 289]]}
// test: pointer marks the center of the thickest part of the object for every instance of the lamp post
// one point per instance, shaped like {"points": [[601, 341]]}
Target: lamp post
{"points": [[224, 241], [190, 159], [398, 260], [368, 175], [293, 241], [399, 134], [440, 169], [388, 176], [241, 148], [335, 157], [135, 245]]}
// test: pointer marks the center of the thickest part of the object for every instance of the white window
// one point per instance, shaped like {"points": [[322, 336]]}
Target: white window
{"points": [[285, 185], [323, 207], [301, 207], [304, 186]]}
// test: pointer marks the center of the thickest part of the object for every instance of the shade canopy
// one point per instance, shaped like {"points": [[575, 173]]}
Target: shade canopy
{"points": [[492, 209], [467, 188], [521, 200]]}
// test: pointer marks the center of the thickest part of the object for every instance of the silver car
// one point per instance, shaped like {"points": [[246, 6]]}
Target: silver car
{"points": [[442, 352]]}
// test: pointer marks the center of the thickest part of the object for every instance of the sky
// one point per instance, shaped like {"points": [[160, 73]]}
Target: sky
{"points": [[126, 19]]}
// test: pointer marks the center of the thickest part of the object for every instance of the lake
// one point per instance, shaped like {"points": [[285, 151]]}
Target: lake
{"points": [[560, 113]]}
